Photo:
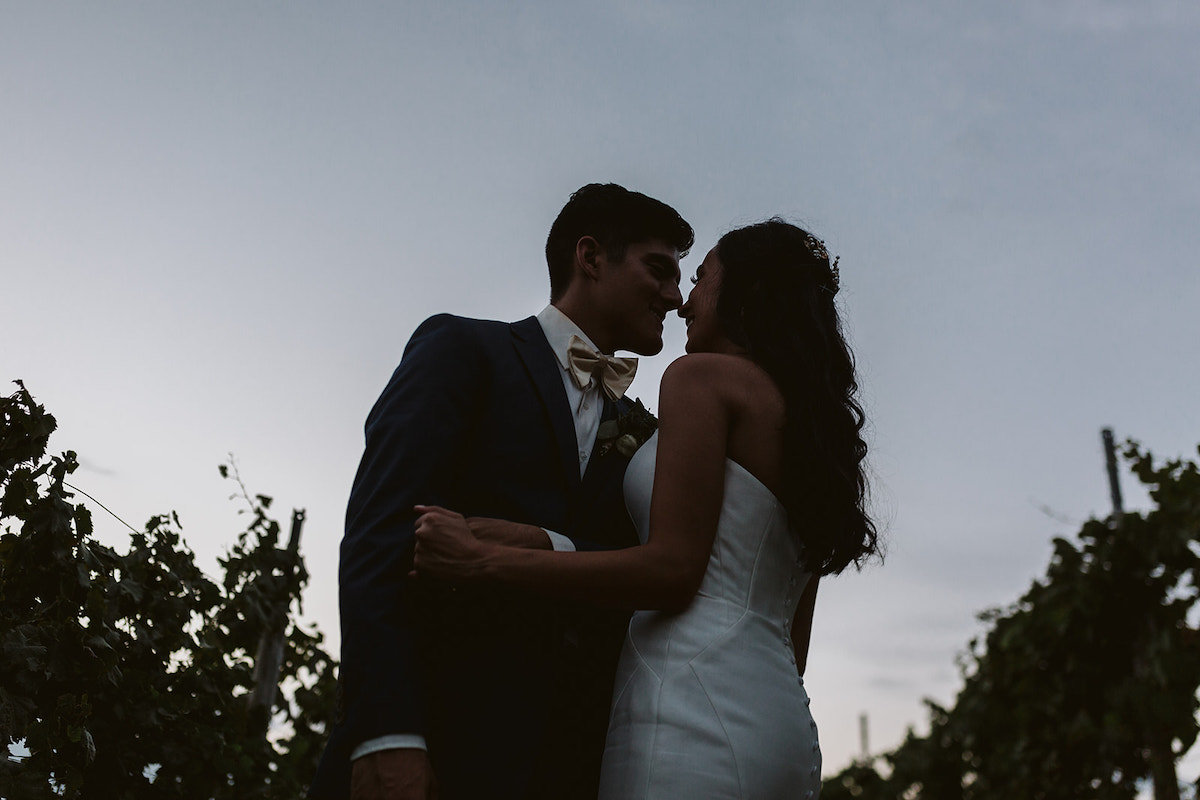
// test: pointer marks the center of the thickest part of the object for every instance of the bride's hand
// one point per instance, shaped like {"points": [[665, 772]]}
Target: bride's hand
{"points": [[445, 546], [509, 534]]}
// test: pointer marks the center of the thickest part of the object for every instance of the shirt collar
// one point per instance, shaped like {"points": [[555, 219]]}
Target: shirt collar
{"points": [[559, 328]]}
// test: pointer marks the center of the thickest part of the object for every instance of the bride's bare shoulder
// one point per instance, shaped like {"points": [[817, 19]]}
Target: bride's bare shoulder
{"points": [[716, 373]]}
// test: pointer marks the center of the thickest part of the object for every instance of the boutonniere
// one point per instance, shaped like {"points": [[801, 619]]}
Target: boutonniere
{"points": [[627, 432]]}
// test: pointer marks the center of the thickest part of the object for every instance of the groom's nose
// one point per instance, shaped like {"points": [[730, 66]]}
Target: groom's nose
{"points": [[673, 297]]}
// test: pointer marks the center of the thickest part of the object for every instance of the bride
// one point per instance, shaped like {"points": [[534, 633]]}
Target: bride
{"points": [[752, 487]]}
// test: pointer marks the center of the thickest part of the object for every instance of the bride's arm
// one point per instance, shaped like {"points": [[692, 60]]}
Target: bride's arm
{"points": [[689, 483], [802, 623], [510, 534]]}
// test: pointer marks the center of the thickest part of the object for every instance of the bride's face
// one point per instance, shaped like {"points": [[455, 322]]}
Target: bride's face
{"points": [[704, 334]]}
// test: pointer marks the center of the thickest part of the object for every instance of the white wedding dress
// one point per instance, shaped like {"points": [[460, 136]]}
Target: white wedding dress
{"points": [[707, 703]]}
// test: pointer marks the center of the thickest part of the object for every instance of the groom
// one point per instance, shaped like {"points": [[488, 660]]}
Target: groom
{"points": [[483, 693]]}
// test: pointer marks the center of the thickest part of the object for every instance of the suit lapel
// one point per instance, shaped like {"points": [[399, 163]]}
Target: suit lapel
{"points": [[543, 368], [600, 465], [599, 506]]}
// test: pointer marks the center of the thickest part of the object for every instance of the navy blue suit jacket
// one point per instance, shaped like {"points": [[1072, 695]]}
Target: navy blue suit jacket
{"points": [[510, 690]]}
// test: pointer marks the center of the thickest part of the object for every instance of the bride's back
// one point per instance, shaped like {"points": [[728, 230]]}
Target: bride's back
{"points": [[757, 414]]}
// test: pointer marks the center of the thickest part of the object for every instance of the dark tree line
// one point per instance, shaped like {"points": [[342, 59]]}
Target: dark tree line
{"points": [[127, 674], [1086, 686]]}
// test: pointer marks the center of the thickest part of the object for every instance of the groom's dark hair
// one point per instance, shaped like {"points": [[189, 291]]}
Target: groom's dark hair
{"points": [[616, 218]]}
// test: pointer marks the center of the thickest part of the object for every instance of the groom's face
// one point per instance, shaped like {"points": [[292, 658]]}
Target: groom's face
{"points": [[638, 292]]}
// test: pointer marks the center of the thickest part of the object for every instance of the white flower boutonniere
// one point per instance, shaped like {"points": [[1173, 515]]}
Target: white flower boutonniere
{"points": [[627, 432]]}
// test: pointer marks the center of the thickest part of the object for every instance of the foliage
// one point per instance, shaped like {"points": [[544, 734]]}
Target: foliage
{"points": [[1085, 686], [126, 674]]}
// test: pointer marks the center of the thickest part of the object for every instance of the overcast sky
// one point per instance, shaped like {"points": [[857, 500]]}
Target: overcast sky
{"points": [[220, 222]]}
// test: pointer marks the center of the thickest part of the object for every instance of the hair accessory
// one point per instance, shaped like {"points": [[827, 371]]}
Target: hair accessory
{"points": [[817, 248], [835, 277]]}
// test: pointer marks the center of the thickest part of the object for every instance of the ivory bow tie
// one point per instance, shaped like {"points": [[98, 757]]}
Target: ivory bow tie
{"points": [[613, 374]]}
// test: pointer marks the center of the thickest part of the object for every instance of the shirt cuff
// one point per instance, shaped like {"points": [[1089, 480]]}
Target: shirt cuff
{"points": [[560, 542], [390, 742]]}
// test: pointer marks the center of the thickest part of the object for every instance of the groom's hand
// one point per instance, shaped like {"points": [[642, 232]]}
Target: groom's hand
{"points": [[400, 774]]}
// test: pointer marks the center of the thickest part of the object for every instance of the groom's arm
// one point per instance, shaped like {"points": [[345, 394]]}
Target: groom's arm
{"points": [[415, 436]]}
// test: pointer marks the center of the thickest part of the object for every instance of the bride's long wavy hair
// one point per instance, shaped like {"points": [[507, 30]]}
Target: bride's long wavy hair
{"points": [[776, 300]]}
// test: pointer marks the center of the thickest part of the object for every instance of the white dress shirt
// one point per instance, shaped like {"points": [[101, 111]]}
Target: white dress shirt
{"points": [[586, 403], [586, 407]]}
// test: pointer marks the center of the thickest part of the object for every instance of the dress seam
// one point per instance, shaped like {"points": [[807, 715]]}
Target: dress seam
{"points": [[737, 771]]}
